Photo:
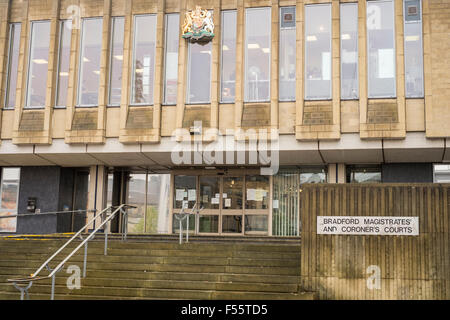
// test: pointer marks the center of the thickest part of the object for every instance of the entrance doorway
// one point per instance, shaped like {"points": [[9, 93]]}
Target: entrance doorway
{"points": [[147, 192], [233, 204]]}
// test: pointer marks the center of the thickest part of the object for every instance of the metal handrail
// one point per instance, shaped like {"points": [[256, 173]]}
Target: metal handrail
{"points": [[186, 215], [34, 276]]}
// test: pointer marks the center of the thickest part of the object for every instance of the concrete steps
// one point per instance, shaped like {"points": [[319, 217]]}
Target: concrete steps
{"points": [[138, 269]]}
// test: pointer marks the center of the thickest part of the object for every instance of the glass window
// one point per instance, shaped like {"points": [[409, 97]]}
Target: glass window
{"points": [[13, 62], [318, 52], [363, 174], [257, 54], [287, 54], [158, 191], [91, 49], [414, 86], [441, 173], [144, 50], [209, 192], [208, 224], [38, 64], [313, 175], [62, 79], [257, 192], [285, 203], [116, 60], [256, 223], [9, 191], [171, 58], [150, 194], [349, 51], [232, 193], [231, 224], [381, 49], [228, 66], [185, 192], [199, 73], [136, 197]]}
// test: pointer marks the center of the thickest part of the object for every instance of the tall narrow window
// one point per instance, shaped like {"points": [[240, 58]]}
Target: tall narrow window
{"points": [[65, 35], [318, 52], [116, 59], [349, 51], [91, 48], [414, 85], [381, 49], [9, 196], [257, 54], [38, 64], [287, 54], [171, 58], [144, 49], [199, 73], [13, 62], [228, 66]]}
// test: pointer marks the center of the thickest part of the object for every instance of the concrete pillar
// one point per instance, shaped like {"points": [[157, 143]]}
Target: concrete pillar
{"points": [[336, 173], [332, 173], [97, 196], [341, 175]]}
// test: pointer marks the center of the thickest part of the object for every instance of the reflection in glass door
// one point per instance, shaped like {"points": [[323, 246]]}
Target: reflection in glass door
{"points": [[150, 194], [136, 197], [257, 204], [232, 204], [184, 197], [208, 220]]}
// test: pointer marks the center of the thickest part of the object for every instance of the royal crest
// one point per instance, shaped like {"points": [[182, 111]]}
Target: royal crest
{"points": [[198, 25]]}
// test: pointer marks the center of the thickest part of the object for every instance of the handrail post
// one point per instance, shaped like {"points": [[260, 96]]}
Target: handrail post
{"points": [[124, 224], [85, 259], [52, 295], [23, 290], [187, 229], [181, 231], [106, 239]]}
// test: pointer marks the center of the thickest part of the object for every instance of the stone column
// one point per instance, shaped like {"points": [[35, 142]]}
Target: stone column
{"points": [[215, 65], [22, 66], [159, 68], [274, 73], [336, 173], [299, 92], [182, 61], [126, 66], [4, 46], [97, 194], [73, 69], [103, 91], [240, 43]]}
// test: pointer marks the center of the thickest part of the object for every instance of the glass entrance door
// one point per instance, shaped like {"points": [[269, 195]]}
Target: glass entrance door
{"points": [[232, 205], [210, 194]]}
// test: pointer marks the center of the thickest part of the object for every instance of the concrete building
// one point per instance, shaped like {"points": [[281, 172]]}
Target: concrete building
{"points": [[103, 102]]}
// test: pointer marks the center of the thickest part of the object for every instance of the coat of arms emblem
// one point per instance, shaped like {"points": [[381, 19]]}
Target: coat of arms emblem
{"points": [[198, 25]]}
